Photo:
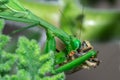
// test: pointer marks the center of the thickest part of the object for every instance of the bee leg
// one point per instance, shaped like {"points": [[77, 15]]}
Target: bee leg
{"points": [[91, 64], [85, 66]]}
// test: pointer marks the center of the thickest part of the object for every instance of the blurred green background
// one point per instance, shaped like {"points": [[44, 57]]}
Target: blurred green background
{"points": [[100, 21]]}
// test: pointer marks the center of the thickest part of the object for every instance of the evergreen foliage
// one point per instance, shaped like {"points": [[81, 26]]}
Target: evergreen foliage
{"points": [[27, 63]]}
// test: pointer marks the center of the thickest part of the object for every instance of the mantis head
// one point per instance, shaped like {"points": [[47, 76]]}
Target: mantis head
{"points": [[88, 59]]}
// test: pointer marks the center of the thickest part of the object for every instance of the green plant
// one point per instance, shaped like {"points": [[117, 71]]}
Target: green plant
{"points": [[27, 63], [75, 54]]}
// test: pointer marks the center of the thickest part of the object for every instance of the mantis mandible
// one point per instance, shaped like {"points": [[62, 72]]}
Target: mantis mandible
{"points": [[76, 55]]}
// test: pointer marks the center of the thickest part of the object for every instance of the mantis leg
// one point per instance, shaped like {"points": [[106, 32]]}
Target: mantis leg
{"points": [[75, 63], [24, 28], [50, 43]]}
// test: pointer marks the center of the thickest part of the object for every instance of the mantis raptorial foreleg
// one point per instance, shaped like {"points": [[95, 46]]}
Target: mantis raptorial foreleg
{"points": [[50, 43]]}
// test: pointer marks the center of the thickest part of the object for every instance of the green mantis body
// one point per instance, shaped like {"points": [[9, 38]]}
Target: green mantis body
{"points": [[15, 12]]}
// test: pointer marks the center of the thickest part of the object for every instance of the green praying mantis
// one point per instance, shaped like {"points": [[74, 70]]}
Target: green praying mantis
{"points": [[76, 54]]}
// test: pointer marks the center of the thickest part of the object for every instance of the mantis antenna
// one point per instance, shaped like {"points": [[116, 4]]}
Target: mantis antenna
{"points": [[75, 23], [66, 19], [79, 20]]}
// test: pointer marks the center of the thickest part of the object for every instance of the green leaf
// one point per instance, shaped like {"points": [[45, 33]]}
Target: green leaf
{"points": [[28, 53], [28, 47], [1, 25], [47, 63], [7, 61], [59, 76], [21, 75], [3, 41]]}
